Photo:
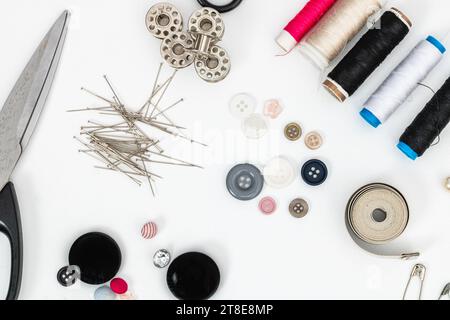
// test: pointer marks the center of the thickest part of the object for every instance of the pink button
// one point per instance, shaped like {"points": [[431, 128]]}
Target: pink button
{"points": [[273, 108], [149, 230], [267, 205], [118, 286]]}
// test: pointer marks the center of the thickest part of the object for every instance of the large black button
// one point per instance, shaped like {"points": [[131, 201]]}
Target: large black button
{"points": [[314, 172], [98, 256], [193, 276]]}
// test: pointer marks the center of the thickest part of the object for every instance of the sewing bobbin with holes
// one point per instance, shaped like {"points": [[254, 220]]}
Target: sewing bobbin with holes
{"points": [[198, 46]]}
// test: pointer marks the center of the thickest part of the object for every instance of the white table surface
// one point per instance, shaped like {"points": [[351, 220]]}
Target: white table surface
{"points": [[62, 196]]}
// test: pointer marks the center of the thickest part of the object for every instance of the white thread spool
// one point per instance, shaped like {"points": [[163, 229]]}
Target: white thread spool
{"points": [[403, 81], [337, 28]]}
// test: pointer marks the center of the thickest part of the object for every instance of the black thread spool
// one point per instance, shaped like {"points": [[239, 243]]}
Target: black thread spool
{"points": [[428, 125], [368, 54]]}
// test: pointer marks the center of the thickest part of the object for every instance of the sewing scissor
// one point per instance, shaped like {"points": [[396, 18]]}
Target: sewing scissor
{"points": [[18, 118]]}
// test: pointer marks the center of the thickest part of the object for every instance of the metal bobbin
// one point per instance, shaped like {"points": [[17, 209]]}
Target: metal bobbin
{"points": [[207, 22], [163, 19], [214, 67], [199, 44], [202, 45], [176, 50]]}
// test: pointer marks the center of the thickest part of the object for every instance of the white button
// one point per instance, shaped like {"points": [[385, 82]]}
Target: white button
{"points": [[254, 126], [242, 105], [279, 173]]}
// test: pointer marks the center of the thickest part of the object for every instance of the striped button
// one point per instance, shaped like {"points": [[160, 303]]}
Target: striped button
{"points": [[149, 230]]}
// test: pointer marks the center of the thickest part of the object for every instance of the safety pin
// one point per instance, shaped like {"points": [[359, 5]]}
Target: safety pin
{"points": [[419, 271], [445, 292]]}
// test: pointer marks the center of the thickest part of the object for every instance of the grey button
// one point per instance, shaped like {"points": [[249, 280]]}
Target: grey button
{"points": [[68, 276], [298, 208], [161, 259], [245, 182]]}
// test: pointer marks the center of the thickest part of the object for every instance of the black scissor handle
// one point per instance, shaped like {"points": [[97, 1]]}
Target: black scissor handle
{"points": [[233, 4], [11, 227]]}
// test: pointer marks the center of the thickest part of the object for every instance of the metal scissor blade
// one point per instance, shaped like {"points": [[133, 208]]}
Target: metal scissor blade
{"points": [[21, 111]]}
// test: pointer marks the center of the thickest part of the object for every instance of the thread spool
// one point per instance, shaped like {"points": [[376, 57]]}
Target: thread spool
{"points": [[428, 124], [337, 28], [403, 81], [368, 54], [302, 23]]}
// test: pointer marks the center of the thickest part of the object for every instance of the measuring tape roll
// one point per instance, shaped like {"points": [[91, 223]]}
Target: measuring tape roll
{"points": [[376, 215]]}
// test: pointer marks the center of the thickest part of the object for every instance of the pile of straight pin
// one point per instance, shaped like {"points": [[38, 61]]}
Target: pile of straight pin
{"points": [[124, 146]]}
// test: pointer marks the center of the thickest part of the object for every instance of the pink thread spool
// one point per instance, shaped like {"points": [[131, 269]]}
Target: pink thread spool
{"points": [[303, 22]]}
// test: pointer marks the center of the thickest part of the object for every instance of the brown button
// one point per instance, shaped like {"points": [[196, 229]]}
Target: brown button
{"points": [[313, 140], [447, 183], [298, 208], [293, 131]]}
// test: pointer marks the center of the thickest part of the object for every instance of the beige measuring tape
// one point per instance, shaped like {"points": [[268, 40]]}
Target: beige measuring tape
{"points": [[376, 215]]}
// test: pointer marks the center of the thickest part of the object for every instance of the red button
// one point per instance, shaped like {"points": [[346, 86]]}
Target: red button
{"points": [[119, 286]]}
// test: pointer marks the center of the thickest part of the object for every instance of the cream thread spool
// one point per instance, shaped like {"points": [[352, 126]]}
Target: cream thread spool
{"points": [[337, 28]]}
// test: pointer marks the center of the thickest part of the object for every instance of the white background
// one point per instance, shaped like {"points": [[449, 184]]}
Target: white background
{"points": [[62, 196]]}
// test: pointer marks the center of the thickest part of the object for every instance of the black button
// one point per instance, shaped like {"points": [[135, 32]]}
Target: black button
{"points": [[245, 182], [314, 172], [98, 256], [193, 276], [68, 276]]}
